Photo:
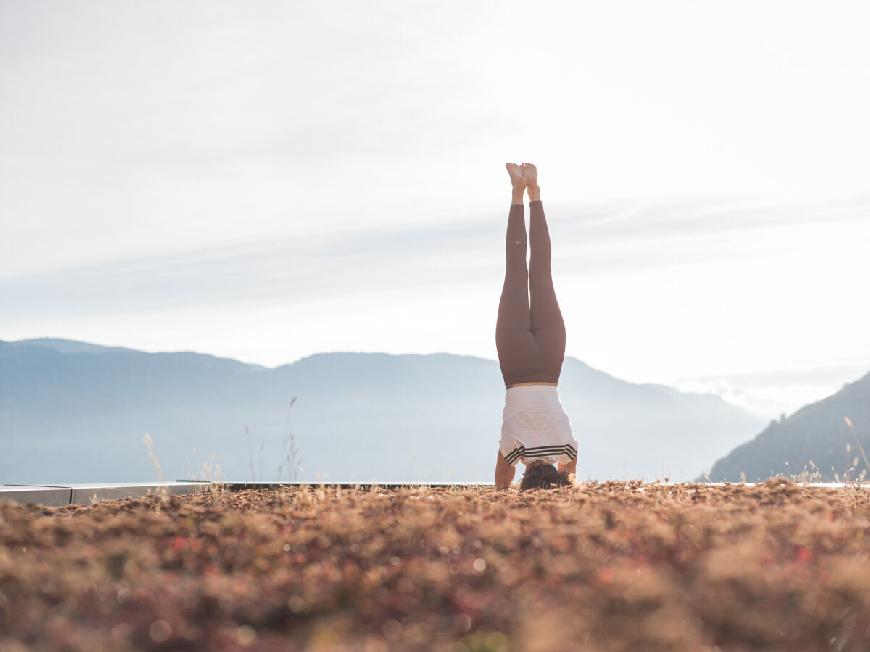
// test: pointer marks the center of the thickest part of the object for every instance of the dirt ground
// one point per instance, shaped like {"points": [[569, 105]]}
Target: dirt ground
{"points": [[599, 566]]}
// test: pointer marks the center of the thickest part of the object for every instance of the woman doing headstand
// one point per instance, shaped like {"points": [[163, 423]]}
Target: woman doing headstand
{"points": [[530, 338]]}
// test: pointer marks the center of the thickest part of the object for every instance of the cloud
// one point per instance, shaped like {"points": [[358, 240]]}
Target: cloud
{"points": [[453, 252], [779, 391]]}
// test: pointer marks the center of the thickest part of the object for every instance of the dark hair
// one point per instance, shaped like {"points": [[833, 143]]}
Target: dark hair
{"points": [[543, 476]]}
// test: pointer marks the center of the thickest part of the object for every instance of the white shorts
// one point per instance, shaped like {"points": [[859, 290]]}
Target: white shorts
{"points": [[536, 427]]}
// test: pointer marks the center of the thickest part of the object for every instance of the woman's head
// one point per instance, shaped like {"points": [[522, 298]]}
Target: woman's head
{"points": [[543, 476]]}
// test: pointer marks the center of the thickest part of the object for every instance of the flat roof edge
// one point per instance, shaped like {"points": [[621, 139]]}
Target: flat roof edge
{"points": [[90, 493]]}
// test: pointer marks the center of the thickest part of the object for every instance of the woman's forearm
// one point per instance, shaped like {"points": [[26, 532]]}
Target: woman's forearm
{"points": [[569, 467], [504, 473]]}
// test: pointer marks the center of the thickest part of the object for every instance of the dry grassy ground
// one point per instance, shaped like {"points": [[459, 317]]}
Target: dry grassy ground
{"points": [[610, 566]]}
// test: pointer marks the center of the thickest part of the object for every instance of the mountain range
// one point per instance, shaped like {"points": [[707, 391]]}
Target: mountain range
{"points": [[827, 440], [78, 412]]}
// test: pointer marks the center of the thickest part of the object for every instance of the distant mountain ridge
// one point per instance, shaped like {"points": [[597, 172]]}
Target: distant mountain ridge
{"points": [[65, 346], [70, 415], [823, 440]]}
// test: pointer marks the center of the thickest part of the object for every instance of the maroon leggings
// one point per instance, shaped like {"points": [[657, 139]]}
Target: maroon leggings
{"points": [[530, 339]]}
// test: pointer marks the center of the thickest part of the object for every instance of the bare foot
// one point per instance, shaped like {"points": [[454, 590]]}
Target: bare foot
{"points": [[530, 174], [518, 180]]}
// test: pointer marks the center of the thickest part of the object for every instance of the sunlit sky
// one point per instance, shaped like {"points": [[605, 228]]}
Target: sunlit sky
{"points": [[269, 180]]}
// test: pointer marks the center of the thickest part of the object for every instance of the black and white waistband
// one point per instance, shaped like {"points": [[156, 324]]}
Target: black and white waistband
{"points": [[521, 452]]}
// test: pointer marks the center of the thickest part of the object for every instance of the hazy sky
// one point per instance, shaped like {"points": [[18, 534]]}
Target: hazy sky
{"points": [[268, 180]]}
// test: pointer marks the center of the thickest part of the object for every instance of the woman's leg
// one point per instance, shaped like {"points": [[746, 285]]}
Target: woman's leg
{"points": [[513, 338], [513, 306], [546, 319]]}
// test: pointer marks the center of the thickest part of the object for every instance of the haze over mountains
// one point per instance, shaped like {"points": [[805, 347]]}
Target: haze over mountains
{"points": [[827, 440], [75, 412]]}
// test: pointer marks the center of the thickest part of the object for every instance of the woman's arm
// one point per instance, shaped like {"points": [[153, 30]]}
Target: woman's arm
{"points": [[569, 467], [504, 472]]}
